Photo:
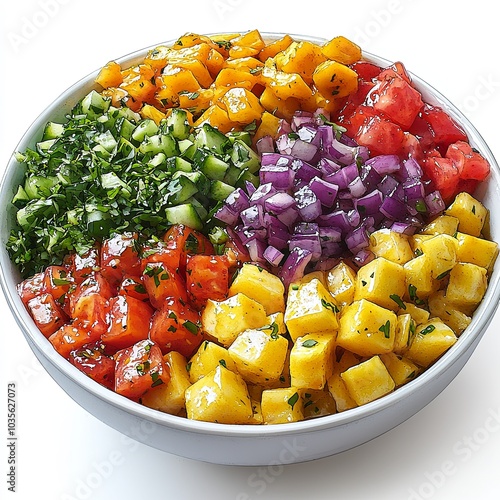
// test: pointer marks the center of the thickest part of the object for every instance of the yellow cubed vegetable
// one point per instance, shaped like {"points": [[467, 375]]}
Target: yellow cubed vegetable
{"points": [[432, 340], [282, 108], [342, 50], [470, 212], [272, 48], [440, 307], [441, 251], [391, 245], [337, 387], [207, 358], [318, 403], [310, 309], [282, 405], [334, 79], [217, 117], [406, 328], [368, 381], [259, 355], [226, 319], [443, 224], [416, 241], [307, 278], [301, 58], [242, 106], [402, 370], [148, 111], [466, 286], [276, 322], [170, 398], [220, 396], [476, 250], [341, 283], [419, 277], [381, 281], [367, 328], [312, 359], [260, 285]]}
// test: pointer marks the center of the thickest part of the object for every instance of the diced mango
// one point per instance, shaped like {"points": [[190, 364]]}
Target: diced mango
{"points": [[272, 48], [406, 328], [402, 370], [470, 212], [418, 275], [285, 85], [282, 405], [207, 358], [221, 396], [368, 381], [466, 286], [443, 224], [441, 251], [110, 75], [367, 328], [391, 245], [248, 44], [318, 403], [301, 58], [337, 387], [242, 106], [440, 307], [342, 50], [341, 283], [476, 250], [334, 79]]}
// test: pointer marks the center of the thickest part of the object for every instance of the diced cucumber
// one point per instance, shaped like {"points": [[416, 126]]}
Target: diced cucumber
{"points": [[126, 128], [52, 130], [178, 123], [188, 150], [36, 186], [219, 190], [20, 198], [247, 176], [157, 160], [184, 214], [177, 163], [44, 146], [232, 175], [125, 148], [180, 189], [210, 138], [107, 141], [184, 144], [200, 209], [145, 128], [128, 114], [243, 156], [213, 167], [242, 136], [198, 178], [94, 105], [159, 144]]}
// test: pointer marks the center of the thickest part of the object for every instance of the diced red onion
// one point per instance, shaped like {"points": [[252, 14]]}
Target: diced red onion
{"points": [[294, 266], [273, 256], [265, 145], [325, 191]]}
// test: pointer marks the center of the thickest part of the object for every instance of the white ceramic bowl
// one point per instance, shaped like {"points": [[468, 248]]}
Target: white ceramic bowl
{"points": [[246, 444]]}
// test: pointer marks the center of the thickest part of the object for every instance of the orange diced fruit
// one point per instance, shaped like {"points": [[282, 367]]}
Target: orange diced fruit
{"points": [[342, 50], [334, 79], [241, 105], [110, 75]]}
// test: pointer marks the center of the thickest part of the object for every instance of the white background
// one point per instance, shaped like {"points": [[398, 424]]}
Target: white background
{"points": [[450, 450]]}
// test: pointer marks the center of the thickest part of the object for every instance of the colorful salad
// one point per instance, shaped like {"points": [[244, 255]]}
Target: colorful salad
{"points": [[245, 231]]}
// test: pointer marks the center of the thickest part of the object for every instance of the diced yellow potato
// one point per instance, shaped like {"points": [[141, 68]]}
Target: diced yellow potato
{"points": [[368, 381], [170, 398], [443, 224], [318, 403], [301, 58], [342, 50], [337, 387], [419, 314], [334, 79], [310, 309], [402, 370], [319, 275], [380, 279], [470, 212], [341, 283], [221, 396], [276, 321], [441, 250], [226, 319], [432, 340], [416, 241], [367, 329], [405, 331], [282, 405], [476, 250], [466, 286], [440, 307], [391, 245], [259, 355], [311, 360], [419, 276], [206, 359], [261, 286]]}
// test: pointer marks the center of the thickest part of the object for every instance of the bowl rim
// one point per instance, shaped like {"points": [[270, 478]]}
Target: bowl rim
{"points": [[480, 320]]}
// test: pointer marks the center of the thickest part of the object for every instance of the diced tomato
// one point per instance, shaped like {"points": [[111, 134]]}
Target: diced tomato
{"points": [[444, 175], [162, 282], [469, 163], [207, 277], [235, 254], [133, 286], [381, 136], [412, 148], [176, 327], [358, 119], [138, 368], [467, 185], [366, 71], [120, 256], [395, 70], [57, 281], [72, 336], [129, 322], [444, 129], [92, 361], [354, 100], [82, 266], [92, 311], [46, 313], [95, 283], [184, 241], [397, 99], [30, 287]]}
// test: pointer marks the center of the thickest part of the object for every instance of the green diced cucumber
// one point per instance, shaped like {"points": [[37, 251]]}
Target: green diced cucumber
{"points": [[198, 178], [184, 214], [178, 123], [126, 128], [180, 189], [20, 198], [159, 144], [210, 138], [199, 206], [219, 190], [242, 136], [36, 186], [43, 147], [247, 176], [107, 141], [243, 156], [232, 175], [214, 168], [145, 128], [94, 105], [52, 130]]}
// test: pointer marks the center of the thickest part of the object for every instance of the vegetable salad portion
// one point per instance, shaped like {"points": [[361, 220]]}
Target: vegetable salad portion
{"points": [[251, 232]]}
